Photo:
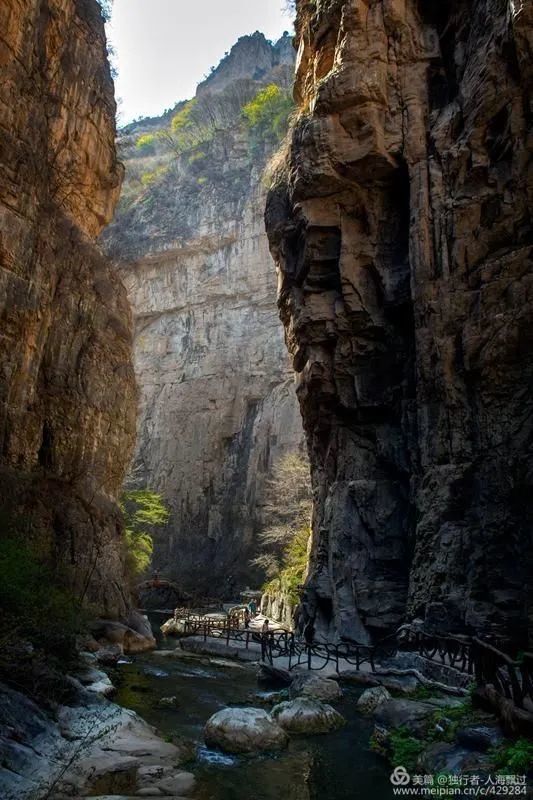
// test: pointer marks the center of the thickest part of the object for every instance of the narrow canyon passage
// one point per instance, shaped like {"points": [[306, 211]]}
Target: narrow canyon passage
{"points": [[266, 418], [217, 407]]}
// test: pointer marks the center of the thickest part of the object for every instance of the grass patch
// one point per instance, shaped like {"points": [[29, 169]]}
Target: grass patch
{"points": [[405, 749], [515, 758], [450, 719]]}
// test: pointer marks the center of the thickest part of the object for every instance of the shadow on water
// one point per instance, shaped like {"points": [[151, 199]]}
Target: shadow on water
{"points": [[336, 766]]}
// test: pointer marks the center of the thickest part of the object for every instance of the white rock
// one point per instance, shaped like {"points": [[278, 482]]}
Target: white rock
{"points": [[372, 698], [305, 715], [244, 730], [325, 689]]}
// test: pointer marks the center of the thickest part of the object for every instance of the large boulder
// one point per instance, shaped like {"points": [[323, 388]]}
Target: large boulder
{"points": [[244, 730], [410, 714], [315, 686], [305, 715], [274, 676], [110, 655], [131, 640], [372, 698], [480, 737], [173, 627], [157, 780], [452, 759], [94, 680]]}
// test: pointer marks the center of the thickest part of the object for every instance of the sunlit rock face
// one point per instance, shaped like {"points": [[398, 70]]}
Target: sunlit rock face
{"points": [[402, 232], [218, 405], [67, 392]]}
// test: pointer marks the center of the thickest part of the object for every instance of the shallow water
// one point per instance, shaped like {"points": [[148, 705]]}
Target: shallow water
{"points": [[336, 766]]}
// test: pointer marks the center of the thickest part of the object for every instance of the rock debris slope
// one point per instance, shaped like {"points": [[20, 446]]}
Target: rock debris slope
{"points": [[67, 392], [217, 391], [401, 225]]}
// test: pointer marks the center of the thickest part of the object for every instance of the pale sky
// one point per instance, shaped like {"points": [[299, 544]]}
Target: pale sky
{"points": [[164, 48]]}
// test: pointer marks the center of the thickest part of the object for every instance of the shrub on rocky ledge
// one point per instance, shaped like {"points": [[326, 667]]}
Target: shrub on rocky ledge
{"points": [[267, 116], [39, 622]]}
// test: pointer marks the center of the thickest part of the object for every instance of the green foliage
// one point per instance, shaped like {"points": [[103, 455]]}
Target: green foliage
{"points": [[515, 758], [286, 514], [267, 116], [149, 178], [405, 749], [183, 119], [450, 719], [191, 127], [143, 511], [146, 143], [35, 606], [420, 693], [294, 567], [198, 156]]}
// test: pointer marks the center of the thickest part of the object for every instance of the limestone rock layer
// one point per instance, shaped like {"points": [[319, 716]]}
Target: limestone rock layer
{"points": [[67, 392], [401, 226], [218, 405]]}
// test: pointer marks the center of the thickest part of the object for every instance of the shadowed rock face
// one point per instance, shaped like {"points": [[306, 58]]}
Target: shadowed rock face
{"points": [[67, 394], [401, 228]]}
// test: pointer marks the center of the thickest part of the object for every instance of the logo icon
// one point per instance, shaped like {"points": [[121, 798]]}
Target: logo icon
{"points": [[400, 777]]}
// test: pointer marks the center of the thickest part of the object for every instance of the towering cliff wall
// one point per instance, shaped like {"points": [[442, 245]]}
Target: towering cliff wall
{"points": [[67, 396], [402, 231], [218, 405]]}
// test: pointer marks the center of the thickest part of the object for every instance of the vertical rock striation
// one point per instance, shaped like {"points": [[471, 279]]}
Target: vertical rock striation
{"points": [[218, 405], [401, 227], [67, 391]]}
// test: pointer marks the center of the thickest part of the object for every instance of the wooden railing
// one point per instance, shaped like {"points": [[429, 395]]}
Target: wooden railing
{"points": [[450, 651], [511, 678], [281, 644]]}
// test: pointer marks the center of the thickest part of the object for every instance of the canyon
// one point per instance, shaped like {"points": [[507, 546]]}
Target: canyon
{"points": [[398, 215], [400, 222], [141, 347], [218, 407]]}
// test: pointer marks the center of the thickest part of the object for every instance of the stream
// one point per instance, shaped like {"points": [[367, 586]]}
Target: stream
{"points": [[335, 766]]}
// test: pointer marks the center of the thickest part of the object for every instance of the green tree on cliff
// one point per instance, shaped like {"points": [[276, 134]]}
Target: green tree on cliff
{"points": [[267, 116], [284, 538], [143, 511]]}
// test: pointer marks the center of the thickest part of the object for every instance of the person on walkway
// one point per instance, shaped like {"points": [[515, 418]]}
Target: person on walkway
{"points": [[246, 618], [252, 605], [265, 631], [309, 632]]}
